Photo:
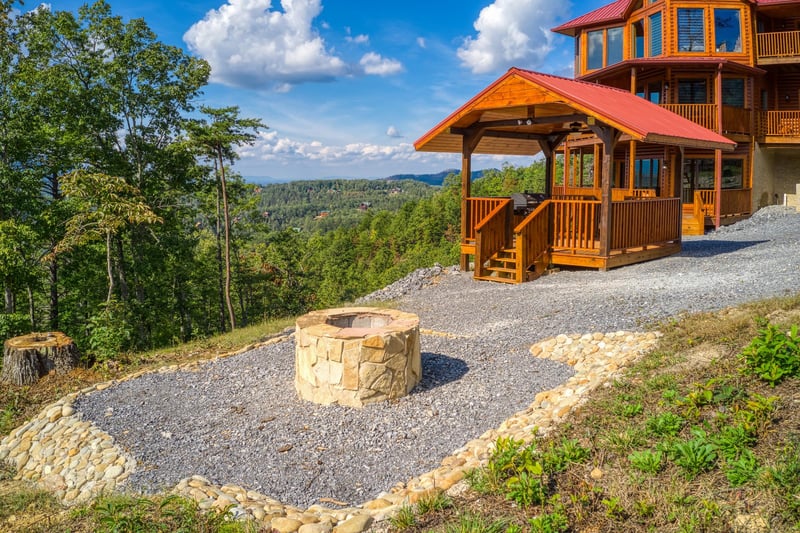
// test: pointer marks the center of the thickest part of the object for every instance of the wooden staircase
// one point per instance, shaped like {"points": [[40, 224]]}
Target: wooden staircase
{"points": [[502, 267], [693, 224]]}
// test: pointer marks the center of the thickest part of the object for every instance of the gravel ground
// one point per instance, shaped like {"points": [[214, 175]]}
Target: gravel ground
{"points": [[238, 420]]}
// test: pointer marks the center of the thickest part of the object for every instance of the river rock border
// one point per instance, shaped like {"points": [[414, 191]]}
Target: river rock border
{"points": [[77, 461]]}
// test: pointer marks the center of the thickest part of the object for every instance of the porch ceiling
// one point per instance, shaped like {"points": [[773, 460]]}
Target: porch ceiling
{"points": [[522, 107]]}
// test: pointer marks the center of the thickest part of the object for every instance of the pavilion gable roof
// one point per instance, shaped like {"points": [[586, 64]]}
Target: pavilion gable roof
{"points": [[552, 103]]}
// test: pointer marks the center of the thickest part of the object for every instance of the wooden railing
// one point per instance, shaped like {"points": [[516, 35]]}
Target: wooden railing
{"points": [[779, 123], [703, 114], [492, 234], [532, 237], [781, 44], [477, 210], [638, 223], [735, 202], [578, 193], [736, 120], [575, 225], [586, 193]]}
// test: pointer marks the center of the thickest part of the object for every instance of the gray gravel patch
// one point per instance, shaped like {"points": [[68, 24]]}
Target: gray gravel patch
{"points": [[238, 420]]}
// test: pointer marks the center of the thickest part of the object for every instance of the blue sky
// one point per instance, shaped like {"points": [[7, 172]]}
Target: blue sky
{"points": [[346, 87]]}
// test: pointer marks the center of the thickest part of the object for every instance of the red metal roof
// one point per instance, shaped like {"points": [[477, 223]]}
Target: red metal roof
{"points": [[615, 11], [618, 10], [632, 115]]}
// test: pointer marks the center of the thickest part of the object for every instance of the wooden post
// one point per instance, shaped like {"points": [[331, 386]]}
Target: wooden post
{"points": [[466, 184], [718, 153], [631, 166], [609, 136], [548, 147]]}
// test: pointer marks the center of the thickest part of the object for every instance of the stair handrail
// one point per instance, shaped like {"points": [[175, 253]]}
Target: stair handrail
{"points": [[533, 240], [492, 235]]}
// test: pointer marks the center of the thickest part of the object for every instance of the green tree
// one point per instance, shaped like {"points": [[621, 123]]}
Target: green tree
{"points": [[216, 138], [104, 205]]}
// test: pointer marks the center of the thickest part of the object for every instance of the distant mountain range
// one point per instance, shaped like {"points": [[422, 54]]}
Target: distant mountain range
{"points": [[431, 179]]}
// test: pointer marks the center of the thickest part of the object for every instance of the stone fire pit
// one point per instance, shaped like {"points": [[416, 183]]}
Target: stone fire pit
{"points": [[356, 355]]}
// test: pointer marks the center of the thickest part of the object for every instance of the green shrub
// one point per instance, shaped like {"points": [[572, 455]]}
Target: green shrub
{"points": [[647, 461], [665, 425], [773, 355]]}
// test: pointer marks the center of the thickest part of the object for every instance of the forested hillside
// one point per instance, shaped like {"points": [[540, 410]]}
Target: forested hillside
{"points": [[323, 205], [124, 225]]}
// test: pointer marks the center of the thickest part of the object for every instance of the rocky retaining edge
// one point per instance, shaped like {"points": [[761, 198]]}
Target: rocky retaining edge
{"points": [[77, 461]]}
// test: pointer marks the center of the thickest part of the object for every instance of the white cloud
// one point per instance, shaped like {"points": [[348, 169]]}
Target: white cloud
{"points": [[373, 63], [512, 33], [358, 39], [248, 43], [270, 146], [421, 42], [393, 132]]}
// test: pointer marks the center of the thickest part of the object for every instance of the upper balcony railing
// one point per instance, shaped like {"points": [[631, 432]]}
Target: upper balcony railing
{"points": [[783, 124], [734, 119], [778, 47]]}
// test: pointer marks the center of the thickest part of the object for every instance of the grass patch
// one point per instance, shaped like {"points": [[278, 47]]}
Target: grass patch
{"points": [[700, 435]]}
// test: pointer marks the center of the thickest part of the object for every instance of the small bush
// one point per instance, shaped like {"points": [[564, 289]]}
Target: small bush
{"points": [[647, 461], [773, 355]]}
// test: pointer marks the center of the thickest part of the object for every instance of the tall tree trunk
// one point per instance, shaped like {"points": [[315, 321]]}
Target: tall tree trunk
{"points": [[240, 288], [121, 268], [109, 269], [31, 308], [8, 294], [220, 267], [53, 318], [226, 218]]}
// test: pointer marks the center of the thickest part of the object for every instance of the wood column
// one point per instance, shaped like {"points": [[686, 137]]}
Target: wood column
{"points": [[631, 166], [609, 136], [548, 147], [466, 185], [718, 153]]}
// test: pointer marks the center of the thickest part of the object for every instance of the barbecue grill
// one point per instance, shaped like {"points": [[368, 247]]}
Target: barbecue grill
{"points": [[526, 202]]}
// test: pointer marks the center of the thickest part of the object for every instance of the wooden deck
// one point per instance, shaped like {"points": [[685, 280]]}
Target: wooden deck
{"points": [[565, 232]]}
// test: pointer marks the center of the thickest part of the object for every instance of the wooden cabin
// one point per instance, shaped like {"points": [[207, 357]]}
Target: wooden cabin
{"points": [[702, 128]]}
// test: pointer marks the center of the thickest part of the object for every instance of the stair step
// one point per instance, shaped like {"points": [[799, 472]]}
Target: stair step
{"points": [[496, 278], [502, 269]]}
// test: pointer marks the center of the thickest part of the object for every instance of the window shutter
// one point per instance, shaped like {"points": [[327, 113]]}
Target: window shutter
{"points": [[691, 30], [655, 35]]}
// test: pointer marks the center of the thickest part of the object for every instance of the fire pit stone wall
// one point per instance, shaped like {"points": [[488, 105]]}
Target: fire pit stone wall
{"points": [[356, 355]]}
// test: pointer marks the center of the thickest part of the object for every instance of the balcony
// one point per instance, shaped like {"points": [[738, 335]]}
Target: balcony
{"points": [[735, 120], [779, 126], [777, 48]]}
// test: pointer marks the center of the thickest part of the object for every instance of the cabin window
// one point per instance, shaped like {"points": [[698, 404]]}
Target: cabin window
{"points": [[691, 30], [654, 93], [727, 30], [703, 170], [733, 92], [692, 91], [656, 40], [732, 173], [647, 172], [614, 46], [637, 34], [594, 57]]}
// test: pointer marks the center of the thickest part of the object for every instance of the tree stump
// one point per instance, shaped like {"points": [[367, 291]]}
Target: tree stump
{"points": [[29, 357]]}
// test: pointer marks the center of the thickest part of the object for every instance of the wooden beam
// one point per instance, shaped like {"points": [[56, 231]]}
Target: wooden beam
{"points": [[718, 153], [468, 144], [500, 134], [548, 147], [521, 121], [609, 136]]}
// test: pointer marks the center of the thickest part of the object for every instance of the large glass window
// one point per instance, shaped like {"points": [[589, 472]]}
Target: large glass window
{"points": [[594, 57], [637, 34], [727, 30], [656, 40], [614, 46], [732, 173], [647, 173], [691, 30], [692, 91], [733, 92]]}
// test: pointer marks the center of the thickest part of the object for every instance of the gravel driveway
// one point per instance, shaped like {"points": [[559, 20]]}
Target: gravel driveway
{"points": [[238, 420]]}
